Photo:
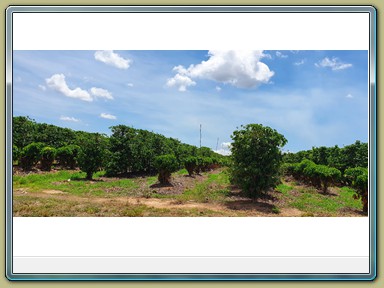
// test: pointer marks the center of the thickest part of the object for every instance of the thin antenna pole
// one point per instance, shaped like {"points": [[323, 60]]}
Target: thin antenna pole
{"points": [[200, 135], [217, 144]]}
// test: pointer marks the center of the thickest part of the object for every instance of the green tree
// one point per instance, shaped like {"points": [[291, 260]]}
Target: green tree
{"points": [[358, 178], [91, 155], [66, 155], [31, 155], [190, 164], [23, 131], [166, 164], [256, 157], [48, 155]]}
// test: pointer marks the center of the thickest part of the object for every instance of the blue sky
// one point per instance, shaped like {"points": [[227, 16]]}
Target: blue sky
{"points": [[313, 98]]}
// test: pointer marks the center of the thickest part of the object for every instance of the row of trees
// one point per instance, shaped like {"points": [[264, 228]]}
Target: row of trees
{"points": [[254, 164], [354, 155], [127, 150]]}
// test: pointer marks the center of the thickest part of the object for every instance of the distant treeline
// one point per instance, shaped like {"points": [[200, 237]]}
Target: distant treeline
{"points": [[127, 150]]}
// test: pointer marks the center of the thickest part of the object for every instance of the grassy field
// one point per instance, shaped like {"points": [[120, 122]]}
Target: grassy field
{"points": [[67, 193]]}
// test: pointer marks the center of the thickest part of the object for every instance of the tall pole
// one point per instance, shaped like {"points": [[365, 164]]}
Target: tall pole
{"points": [[200, 135], [217, 144]]}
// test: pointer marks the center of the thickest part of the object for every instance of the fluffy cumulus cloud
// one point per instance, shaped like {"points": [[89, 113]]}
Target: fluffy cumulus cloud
{"points": [[240, 68], [225, 149], [57, 82], [334, 64], [71, 119], [107, 116], [101, 93], [113, 59], [181, 82]]}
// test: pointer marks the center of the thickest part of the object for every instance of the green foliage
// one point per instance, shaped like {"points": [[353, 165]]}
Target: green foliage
{"points": [[166, 164], [30, 155], [15, 153], [354, 155], [358, 177], [48, 155], [92, 153], [23, 131], [66, 155], [26, 131], [190, 164], [256, 158]]}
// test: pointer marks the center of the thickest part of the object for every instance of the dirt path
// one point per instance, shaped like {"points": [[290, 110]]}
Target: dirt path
{"points": [[230, 208]]}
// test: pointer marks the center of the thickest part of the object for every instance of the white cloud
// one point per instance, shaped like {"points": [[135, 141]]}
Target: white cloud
{"points": [[107, 116], [66, 118], [42, 87], [225, 149], [349, 95], [239, 68], [301, 62], [110, 58], [180, 81], [281, 55], [101, 93], [130, 84], [226, 145], [334, 64], [57, 82], [218, 88]]}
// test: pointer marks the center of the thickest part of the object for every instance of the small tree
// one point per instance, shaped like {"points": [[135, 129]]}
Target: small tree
{"points": [[48, 155], [327, 175], [66, 155], [166, 164], [30, 155], [91, 154], [256, 158], [190, 164], [358, 177]]}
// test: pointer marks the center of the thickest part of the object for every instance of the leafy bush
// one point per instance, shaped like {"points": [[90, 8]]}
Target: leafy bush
{"points": [[66, 155], [358, 178], [48, 155], [30, 155], [190, 164], [327, 175], [256, 158], [91, 154], [166, 164]]}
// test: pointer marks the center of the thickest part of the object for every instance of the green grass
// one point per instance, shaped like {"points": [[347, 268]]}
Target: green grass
{"points": [[74, 183], [97, 197], [283, 188], [214, 189], [313, 202]]}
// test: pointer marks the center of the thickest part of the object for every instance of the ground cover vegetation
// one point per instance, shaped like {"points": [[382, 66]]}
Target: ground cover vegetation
{"points": [[134, 172]]}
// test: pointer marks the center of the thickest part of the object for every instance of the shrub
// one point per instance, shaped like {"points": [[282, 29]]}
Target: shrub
{"points": [[66, 155], [358, 178], [166, 164], [30, 155], [91, 154], [190, 164], [327, 175], [256, 158], [48, 155]]}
